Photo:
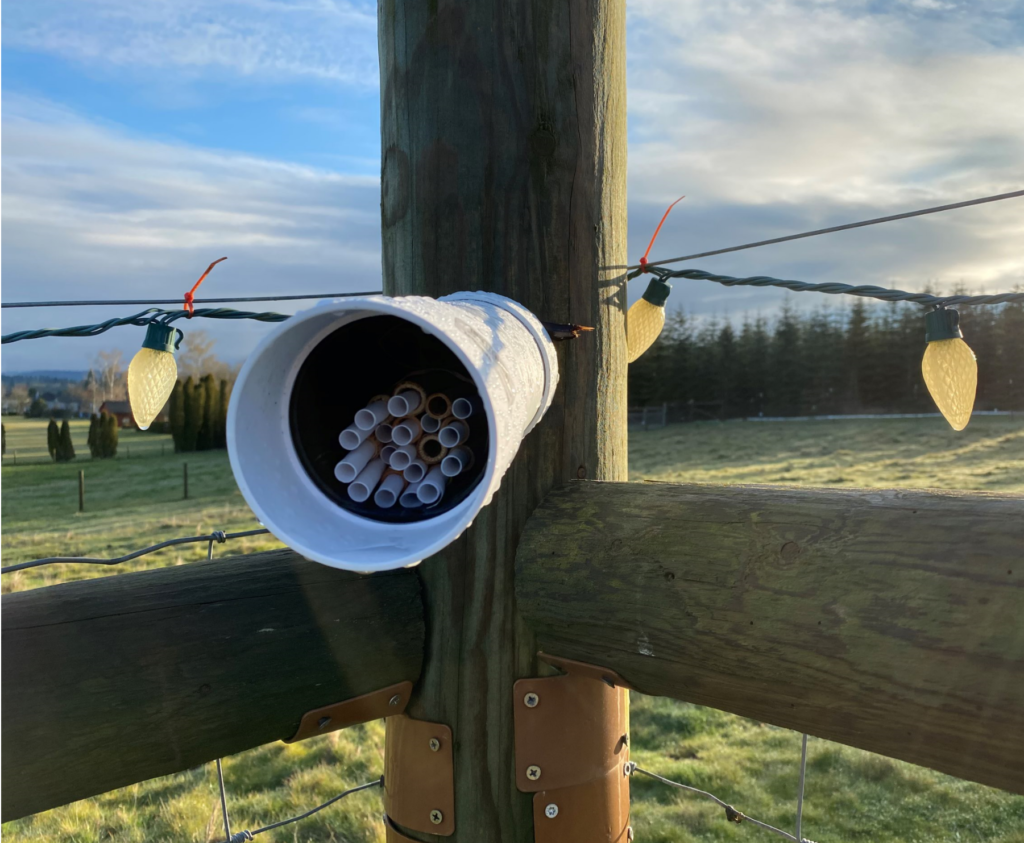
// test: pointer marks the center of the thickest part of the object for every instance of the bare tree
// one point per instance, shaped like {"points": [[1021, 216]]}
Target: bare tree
{"points": [[197, 358], [111, 375]]}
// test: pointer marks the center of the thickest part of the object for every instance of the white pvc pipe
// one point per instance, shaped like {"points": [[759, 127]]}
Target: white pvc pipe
{"points": [[372, 414], [401, 458], [404, 403], [432, 486], [415, 471], [362, 487], [348, 469], [352, 437], [406, 432], [383, 433], [386, 452], [409, 498], [430, 424], [453, 434], [455, 462], [389, 491], [462, 408]]}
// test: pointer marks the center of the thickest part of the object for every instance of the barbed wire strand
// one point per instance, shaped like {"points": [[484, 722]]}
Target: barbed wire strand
{"points": [[244, 836], [800, 791], [216, 536], [832, 229], [223, 791], [137, 302], [731, 813], [832, 288]]}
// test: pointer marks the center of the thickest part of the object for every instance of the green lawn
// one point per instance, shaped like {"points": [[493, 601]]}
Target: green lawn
{"points": [[851, 795]]}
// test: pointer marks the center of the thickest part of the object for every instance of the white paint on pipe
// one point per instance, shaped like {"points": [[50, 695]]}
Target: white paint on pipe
{"points": [[409, 499], [416, 471], [372, 415], [407, 432], [348, 469], [432, 486], [352, 437], [453, 434], [386, 452], [404, 403], [430, 424], [401, 458], [462, 408], [362, 487], [390, 489], [383, 433], [455, 462]]}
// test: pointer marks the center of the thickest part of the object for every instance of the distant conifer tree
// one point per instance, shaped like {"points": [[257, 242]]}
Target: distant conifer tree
{"points": [[52, 439]]}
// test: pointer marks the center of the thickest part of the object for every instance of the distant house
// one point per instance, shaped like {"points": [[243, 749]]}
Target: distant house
{"points": [[122, 411]]}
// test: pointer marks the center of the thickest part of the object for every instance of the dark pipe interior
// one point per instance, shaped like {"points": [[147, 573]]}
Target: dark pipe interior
{"points": [[350, 366]]}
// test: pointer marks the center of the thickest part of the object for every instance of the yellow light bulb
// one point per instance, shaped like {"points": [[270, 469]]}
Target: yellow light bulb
{"points": [[152, 374], [646, 319], [950, 368]]}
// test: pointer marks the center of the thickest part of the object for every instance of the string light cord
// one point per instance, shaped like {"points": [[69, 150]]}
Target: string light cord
{"points": [[216, 536], [1016, 194], [245, 836], [154, 302], [862, 290], [731, 813]]}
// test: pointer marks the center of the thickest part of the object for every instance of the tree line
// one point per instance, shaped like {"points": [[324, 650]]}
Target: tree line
{"points": [[828, 361], [198, 414]]}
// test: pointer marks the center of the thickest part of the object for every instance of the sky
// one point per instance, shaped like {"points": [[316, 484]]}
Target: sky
{"points": [[142, 139]]}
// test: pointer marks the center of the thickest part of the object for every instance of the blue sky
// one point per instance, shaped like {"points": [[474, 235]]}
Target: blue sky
{"points": [[144, 138]]}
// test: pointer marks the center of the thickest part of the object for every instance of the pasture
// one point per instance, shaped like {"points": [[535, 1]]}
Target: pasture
{"points": [[850, 794]]}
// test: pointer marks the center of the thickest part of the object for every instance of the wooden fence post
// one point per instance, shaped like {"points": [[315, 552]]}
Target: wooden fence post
{"points": [[503, 129]]}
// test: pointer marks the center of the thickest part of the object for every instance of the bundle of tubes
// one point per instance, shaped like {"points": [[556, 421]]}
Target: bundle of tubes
{"points": [[404, 448]]}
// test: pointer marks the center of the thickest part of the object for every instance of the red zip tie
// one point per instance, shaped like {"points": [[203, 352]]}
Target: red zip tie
{"points": [[191, 294], [643, 260]]}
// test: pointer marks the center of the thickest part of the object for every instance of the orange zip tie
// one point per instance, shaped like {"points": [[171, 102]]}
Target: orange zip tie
{"points": [[643, 260], [191, 294]]}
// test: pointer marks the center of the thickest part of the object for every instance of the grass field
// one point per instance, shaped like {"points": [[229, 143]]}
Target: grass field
{"points": [[851, 795]]}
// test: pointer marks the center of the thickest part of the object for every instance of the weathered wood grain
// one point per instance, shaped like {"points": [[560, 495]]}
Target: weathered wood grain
{"points": [[503, 130], [112, 681], [891, 621]]}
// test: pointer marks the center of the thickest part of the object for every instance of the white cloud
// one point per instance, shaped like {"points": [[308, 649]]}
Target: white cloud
{"points": [[92, 212], [320, 39]]}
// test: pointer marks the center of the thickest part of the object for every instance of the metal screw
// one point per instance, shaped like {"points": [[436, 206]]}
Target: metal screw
{"points": [[628, 768], [435, 744], [395, 700], [533, 772], [323, 721], [551, 811], [436, 817], [531, 700]]}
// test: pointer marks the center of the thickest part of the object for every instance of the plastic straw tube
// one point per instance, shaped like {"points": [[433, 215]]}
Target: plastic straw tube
{"points": [[389, 491], [352, 437], [348, 469], [416, 471], [430, 424], [456, 461], [362, 487], [372, 414], [401, 458], [409, 498], [406, 432], [405, 403], [383, 433], [432, 486], [453, 434], [462, 408], [386, 452]]}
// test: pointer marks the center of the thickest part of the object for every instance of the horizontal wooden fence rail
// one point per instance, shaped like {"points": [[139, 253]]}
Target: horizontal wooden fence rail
{"points": [[891, 621], [111, 681]]}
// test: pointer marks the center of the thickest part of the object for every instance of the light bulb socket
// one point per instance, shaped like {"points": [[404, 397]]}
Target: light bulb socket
{"points": [[942, 323], [657, 292], [160, 337]]}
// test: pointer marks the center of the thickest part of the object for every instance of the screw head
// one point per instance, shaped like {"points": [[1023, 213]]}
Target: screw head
{"points": [[435, 744], [395, 700], [436, 817], [531, 700], [551, 811], [533, 772]]}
